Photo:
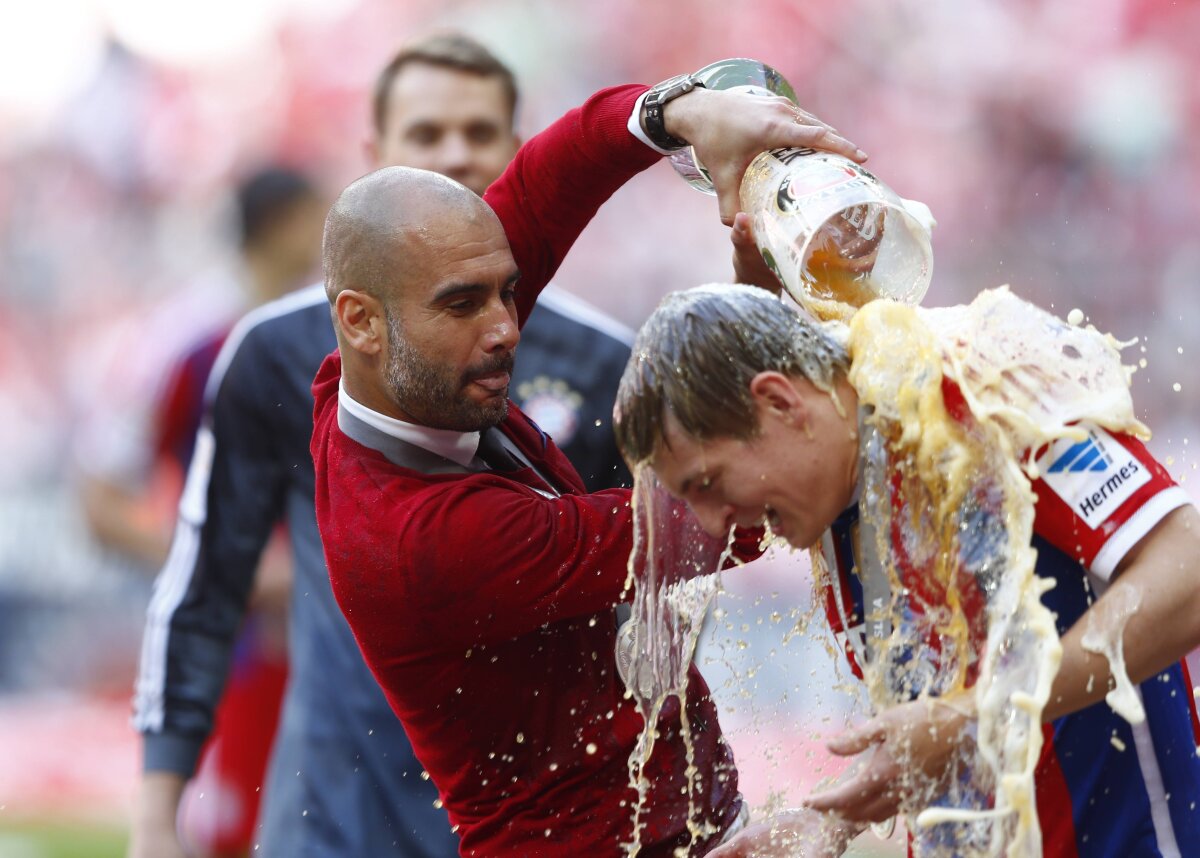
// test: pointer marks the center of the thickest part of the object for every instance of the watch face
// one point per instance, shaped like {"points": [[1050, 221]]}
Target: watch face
{"points": [[680, 88], [674, 87]]}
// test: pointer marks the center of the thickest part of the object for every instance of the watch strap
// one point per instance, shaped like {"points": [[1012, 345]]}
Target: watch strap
{"points": [[657, 98]]}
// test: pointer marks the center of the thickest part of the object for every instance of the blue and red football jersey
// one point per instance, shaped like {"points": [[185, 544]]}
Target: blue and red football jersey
{"points": [[1105, 789]]}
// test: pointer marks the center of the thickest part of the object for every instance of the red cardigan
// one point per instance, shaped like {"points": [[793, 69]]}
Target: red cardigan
{"points": [[484, 608]]}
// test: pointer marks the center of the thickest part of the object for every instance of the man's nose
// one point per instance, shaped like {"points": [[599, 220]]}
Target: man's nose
{"points": [[454, 155], [502, 332], [715, 519]]}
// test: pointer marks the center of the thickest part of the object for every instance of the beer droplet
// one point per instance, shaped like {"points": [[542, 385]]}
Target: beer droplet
{"points": [[1176, 387], [1075, 317], [591, 747]]}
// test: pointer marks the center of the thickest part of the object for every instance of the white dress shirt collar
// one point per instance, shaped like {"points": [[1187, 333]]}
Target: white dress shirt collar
{"points": [[458, 447]]}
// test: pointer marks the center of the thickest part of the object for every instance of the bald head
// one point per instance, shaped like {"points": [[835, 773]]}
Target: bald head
{"points": [[422, 287], [384, 230]]}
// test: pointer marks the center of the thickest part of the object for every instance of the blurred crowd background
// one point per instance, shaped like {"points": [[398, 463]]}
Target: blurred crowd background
{"points": [[1054, 142]]}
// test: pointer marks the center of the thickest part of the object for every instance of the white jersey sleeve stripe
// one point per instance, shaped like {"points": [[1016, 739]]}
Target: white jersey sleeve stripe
{"points": [[176, 575], [1138, 525], [1160, 814], [305, 297], [169, 589]]}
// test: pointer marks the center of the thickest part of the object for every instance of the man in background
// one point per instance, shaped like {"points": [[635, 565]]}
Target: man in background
{"points": [[132, 469], [343, 780], [279, 214]]}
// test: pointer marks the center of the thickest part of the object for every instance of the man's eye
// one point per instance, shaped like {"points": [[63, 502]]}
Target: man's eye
{"points": [[508, 294], [704, 484], [482, 134], [462, 306], [423, 135]]}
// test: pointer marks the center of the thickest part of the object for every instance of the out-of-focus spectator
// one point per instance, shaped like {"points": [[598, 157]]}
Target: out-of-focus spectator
{"points": [[280, 216], [136, 450]]}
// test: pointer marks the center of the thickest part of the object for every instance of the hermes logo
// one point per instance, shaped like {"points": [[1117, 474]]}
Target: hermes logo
{"points": [[1094, 476]]}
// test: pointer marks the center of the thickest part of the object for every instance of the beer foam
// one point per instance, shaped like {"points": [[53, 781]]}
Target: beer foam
{"points": [[954, 487], [1105, 636], [672, 577]]}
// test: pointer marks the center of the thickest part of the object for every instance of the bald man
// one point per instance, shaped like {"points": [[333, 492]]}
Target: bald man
{"points": [[422, 225], [476, 573]]}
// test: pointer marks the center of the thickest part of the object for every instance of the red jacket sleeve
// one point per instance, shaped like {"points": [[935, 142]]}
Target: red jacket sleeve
{"points": [[560, 178]]}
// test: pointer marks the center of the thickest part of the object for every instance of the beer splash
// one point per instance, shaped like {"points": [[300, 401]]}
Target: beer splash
{"points": [[956, 402], [1105, 636], [672, 575]]}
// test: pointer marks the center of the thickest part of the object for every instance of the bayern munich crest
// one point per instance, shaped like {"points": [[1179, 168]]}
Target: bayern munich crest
{"points": [[553, 405]]}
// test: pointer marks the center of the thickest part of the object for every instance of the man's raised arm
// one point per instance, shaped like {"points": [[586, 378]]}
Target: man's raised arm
{"points": [[561, 177]]}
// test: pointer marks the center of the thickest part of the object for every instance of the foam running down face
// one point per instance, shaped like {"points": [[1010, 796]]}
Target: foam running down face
{"points": [[953, 404]]}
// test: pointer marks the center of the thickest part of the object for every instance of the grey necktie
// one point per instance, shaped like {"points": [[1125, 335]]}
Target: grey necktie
{"points": [[493, 452]]}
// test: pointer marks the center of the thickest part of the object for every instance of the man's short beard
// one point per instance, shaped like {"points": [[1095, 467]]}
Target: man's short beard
{"points": [[433, 395]]}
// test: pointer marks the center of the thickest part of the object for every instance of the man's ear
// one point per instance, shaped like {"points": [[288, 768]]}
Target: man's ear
{"points": [[362, 321], [775, 395]]}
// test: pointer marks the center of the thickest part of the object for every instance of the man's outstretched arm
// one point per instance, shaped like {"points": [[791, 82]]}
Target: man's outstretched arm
{"points": [[561, 177]]}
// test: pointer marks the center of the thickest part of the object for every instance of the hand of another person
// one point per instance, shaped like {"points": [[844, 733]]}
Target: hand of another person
{"points": [[749, 267], [790, 834], [911, 748], [728, 130], [154, 833]]}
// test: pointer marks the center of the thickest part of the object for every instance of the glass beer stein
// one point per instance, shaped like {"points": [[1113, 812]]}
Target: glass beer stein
{"points": [[834, 234]]}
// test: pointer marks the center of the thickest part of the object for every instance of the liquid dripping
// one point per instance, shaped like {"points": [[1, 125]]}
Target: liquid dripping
{"points": [[950, 514], [1105, 636], [671, 575]]}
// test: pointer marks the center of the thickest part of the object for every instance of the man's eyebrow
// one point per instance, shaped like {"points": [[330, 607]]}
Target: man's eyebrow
{"points": [[456, 290]]}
